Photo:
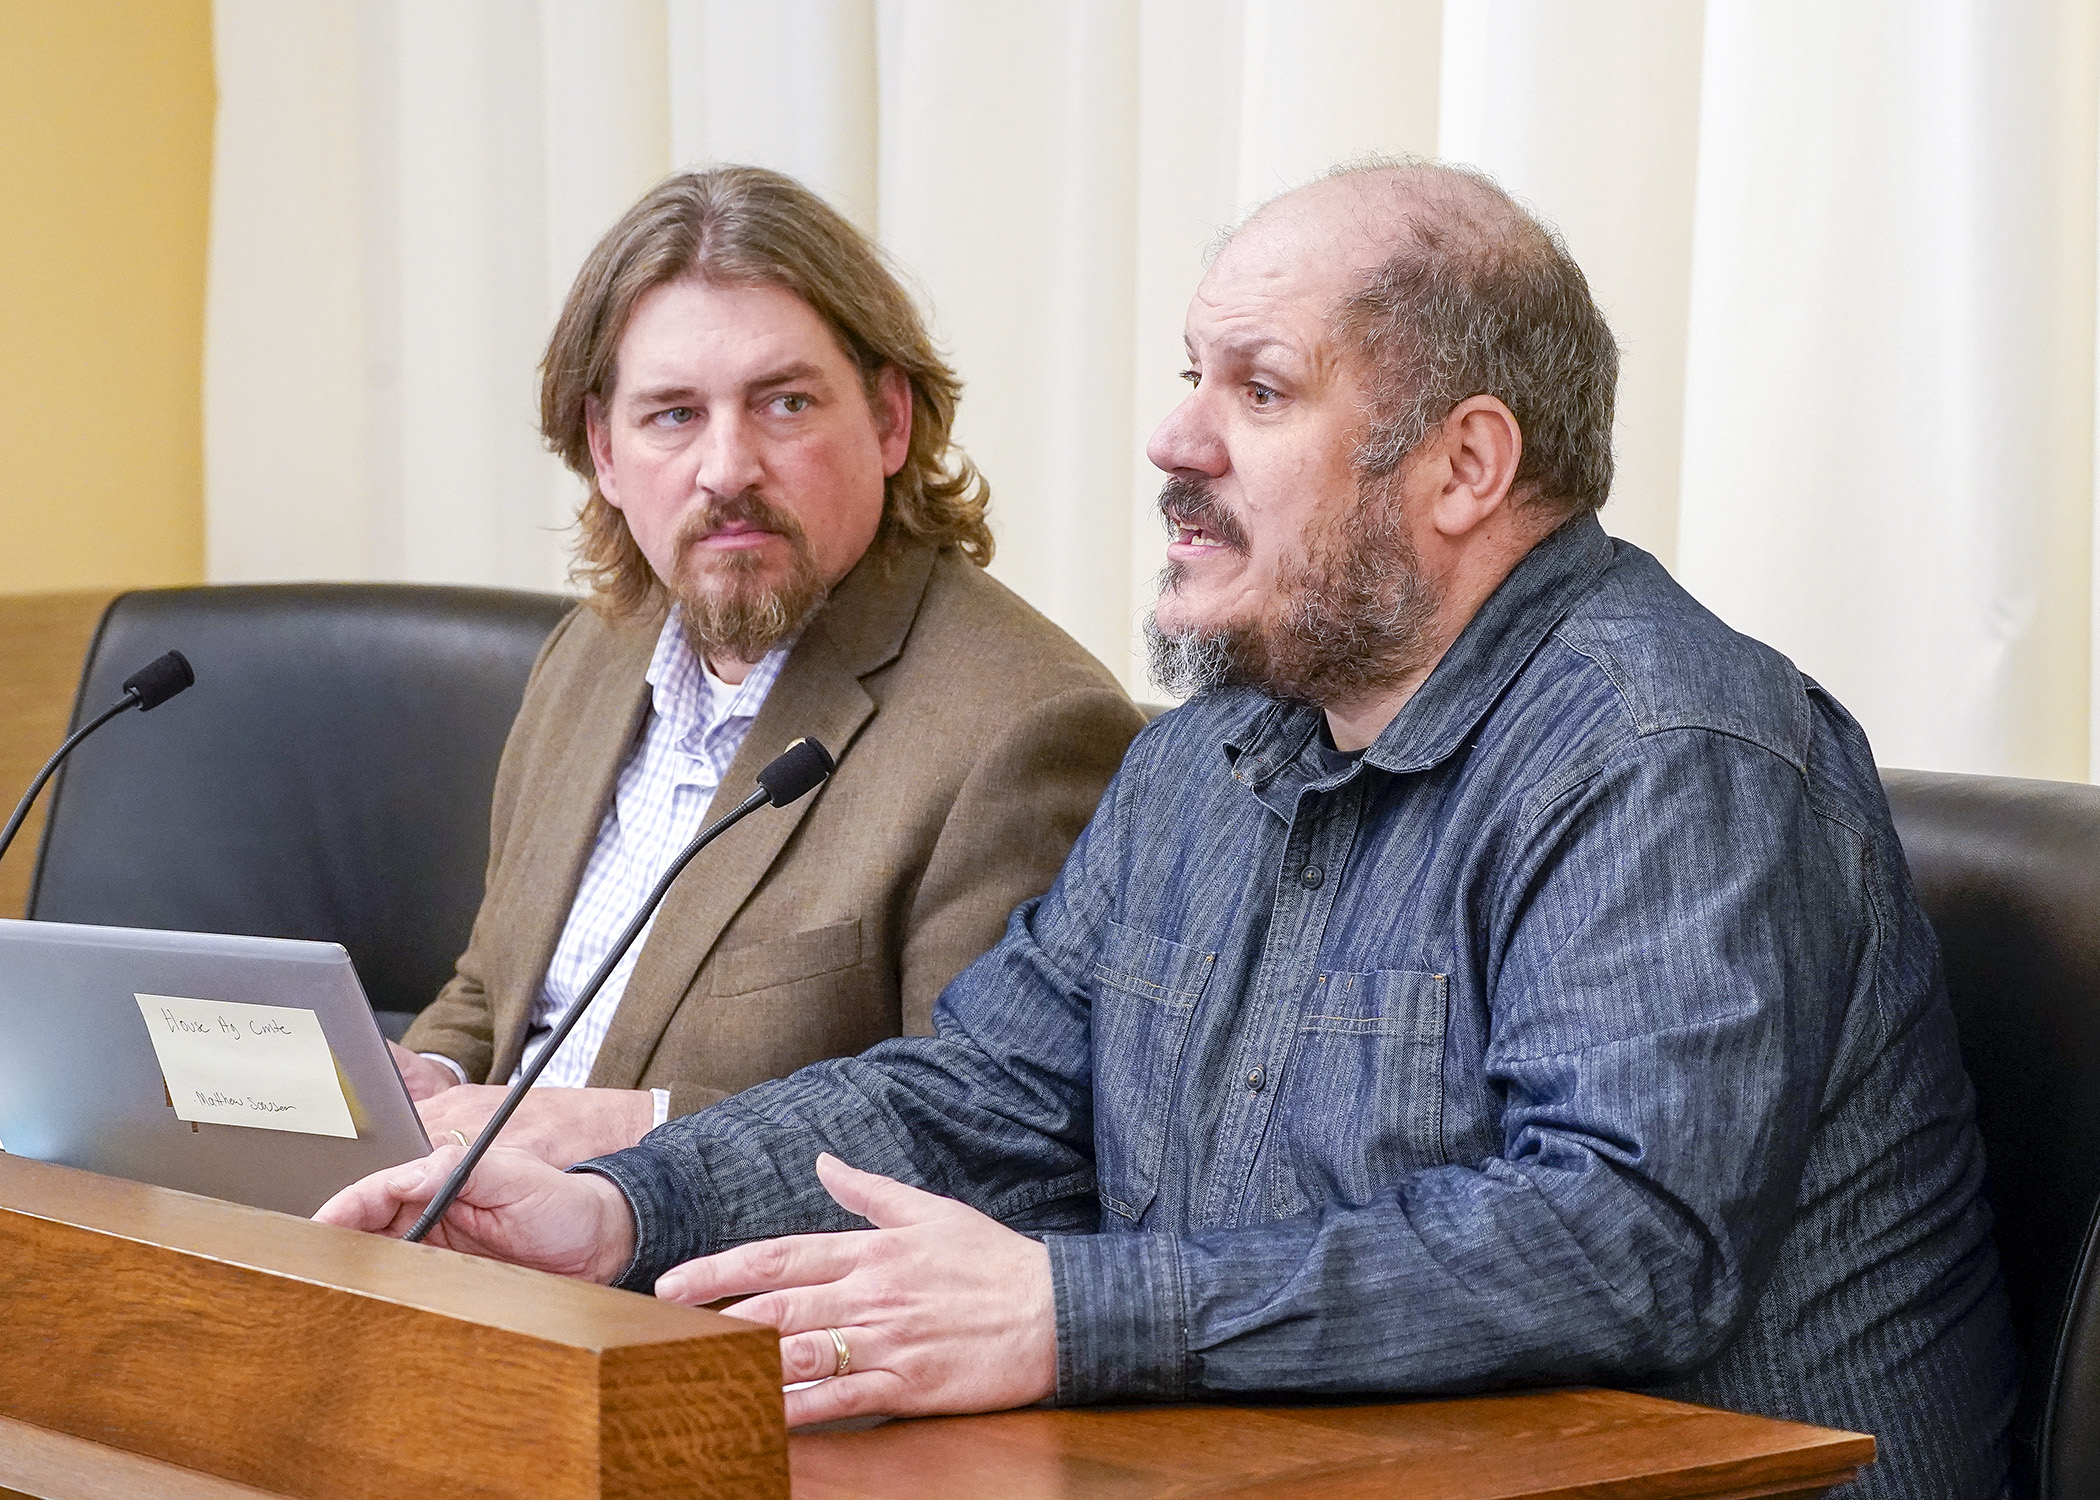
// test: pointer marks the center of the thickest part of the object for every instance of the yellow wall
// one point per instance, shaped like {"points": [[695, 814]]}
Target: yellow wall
{"points": [[105, 191]]}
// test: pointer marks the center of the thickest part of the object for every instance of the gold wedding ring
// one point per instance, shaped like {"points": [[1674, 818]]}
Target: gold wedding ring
{"points": [[838, 1342], [460, 1136]]}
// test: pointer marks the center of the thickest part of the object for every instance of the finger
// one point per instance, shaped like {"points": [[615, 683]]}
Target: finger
{"points": [[423, 1078], [876, 1393], [443, 1130], [762, 1266], [882, 1201], [466, 1105], [505, 1176], [371, 1203], [441, 1160], [365, 1205], [438, 1113], [413, 1190], [830, 1304], [813, 1356]]}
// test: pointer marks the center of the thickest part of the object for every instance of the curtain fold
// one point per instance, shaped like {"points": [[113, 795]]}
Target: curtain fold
{"points": [[1008, 189], [1888, 397], [1615, 174], [1850, 251]]}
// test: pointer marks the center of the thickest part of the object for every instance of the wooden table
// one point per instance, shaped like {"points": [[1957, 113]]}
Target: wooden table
{"points": [[1529, 1445], [156, 1345], [1567, 1445]]}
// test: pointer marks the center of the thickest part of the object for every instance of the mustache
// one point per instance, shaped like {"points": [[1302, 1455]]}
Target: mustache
{"points": [[1194, 504], [747, 506]]}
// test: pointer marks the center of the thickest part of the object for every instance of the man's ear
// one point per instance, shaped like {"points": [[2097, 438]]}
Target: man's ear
{"points": [[1484, 446], [600, 435], [893, 416]]}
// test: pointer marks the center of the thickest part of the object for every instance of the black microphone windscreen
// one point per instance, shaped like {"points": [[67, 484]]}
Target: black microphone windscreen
{"points": [[799, 769], [160, 679]]}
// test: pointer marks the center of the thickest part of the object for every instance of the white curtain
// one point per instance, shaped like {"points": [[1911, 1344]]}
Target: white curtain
{"points": [[1849, 247]]}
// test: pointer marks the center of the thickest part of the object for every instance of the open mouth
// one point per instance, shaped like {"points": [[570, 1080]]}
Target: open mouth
{"points": [[1196, 521]]}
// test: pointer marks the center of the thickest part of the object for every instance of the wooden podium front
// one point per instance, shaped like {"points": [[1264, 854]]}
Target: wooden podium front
{"points": [[160, 1346], [300, 1360]]}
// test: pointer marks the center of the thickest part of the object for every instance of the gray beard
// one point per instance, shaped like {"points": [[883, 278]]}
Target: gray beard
{"points": [[1189, 662], [1355, 617]]}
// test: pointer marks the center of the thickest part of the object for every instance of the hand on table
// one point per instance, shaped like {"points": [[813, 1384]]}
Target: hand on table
{"points": [[560, 1126], [942, 1308], [514, 1208], [422, 1076]]}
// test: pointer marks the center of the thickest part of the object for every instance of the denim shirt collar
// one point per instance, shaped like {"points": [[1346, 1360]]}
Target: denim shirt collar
{"points": [[1430, 727]]}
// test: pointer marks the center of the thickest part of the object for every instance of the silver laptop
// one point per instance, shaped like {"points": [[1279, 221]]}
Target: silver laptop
{"points": [[82, 1081]]}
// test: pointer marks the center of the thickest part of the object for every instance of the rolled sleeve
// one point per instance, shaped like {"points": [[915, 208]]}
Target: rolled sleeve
{"points": [[1122, 1318]]}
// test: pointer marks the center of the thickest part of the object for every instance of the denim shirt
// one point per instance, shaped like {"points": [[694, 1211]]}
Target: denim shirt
{"points": [[1584, 1029]]}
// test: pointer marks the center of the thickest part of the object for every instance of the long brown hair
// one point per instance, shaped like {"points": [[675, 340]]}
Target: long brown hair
{"points": [[738, 225]]}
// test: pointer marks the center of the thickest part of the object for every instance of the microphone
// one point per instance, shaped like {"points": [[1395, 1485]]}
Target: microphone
{"points": [[149, 687], [790, 775], [158, 680]]}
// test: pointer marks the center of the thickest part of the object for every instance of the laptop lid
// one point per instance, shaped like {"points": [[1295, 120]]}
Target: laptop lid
{"points": [[82, 1084]]}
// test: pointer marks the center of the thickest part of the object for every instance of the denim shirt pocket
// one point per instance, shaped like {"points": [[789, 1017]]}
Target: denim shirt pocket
{"points": [[1145, 994], [1363, 1099]]}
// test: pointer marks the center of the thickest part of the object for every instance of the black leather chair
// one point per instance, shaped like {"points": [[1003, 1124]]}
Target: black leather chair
{"points": [[328, 777], [2009, 872]]}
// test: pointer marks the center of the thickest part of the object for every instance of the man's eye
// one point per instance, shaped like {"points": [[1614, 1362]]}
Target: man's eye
{"points": [[791, 402], [1193, 377], [1259, 395], [676, 416]]}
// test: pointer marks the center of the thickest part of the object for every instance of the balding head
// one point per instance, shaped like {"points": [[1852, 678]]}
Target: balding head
{"points": [[1376, 200], [1446, 288], [1400, 385]]}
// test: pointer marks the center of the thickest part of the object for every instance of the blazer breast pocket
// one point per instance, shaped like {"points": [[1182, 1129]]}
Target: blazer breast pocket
{"points": [[771, 962]]}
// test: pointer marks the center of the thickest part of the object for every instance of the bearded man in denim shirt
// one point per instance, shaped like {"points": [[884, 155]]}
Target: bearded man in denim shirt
{"points": [[1498, 973]]}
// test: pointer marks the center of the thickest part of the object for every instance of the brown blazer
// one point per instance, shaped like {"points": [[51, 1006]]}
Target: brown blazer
{"points": [[973, 738]]}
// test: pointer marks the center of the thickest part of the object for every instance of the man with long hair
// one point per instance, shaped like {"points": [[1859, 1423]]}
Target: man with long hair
{"points": [[781, 539]]}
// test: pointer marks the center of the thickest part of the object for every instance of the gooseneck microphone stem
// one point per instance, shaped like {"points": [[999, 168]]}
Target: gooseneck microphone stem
{"points": [[802, 766], [149, 687], [560, 1034], [14, 824]]}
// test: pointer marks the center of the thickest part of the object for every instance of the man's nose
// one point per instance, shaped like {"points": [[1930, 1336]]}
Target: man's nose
{"points": [[730, 459], [1188, 441]]}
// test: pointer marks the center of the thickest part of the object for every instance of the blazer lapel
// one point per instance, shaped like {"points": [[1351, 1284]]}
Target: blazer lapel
{"points": [[561, 835], [818, 695]]}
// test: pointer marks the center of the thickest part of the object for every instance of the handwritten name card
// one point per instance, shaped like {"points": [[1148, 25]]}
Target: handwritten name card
{"points": [[263, 1066]]}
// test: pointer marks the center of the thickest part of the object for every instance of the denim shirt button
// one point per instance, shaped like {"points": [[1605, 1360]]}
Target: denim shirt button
{"points": [[1311, 876], [1256, 1079]]}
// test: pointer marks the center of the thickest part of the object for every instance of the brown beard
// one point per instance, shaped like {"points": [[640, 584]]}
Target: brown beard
{"points": [[727, 605], [1353, 616]]}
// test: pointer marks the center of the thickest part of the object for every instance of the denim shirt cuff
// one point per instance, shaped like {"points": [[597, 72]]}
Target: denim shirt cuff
{"points": [[1122, 1323], [668, 1226]]}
